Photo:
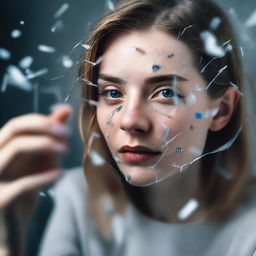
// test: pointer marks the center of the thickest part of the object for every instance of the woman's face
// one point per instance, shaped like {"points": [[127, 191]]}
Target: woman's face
{"points": [[153, 109]]}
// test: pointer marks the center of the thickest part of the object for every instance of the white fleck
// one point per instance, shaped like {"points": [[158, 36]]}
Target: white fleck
{"points": [[37, 73], [166, 131], [42, 194], [118, 228], [26, 62], [106, 203], [251, 21], [210, 113], [88, 82], [188, 209], [16, 78], [219, 72], [191, 99], [57, 26], [16, 33], [110, 5], [46, 48], [4, 83], [4, 54], [90, 102], [183, 31], [67, 62], [215, 22], [236, 87], [64, 7], [228, 48], [210, 44], [225, 173], [117, 159], [195, 151], [86, 46], [22, 22], [242, 51], [96, 159]]}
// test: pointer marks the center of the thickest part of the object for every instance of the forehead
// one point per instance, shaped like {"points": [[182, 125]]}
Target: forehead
{"points": [[152, 45]]}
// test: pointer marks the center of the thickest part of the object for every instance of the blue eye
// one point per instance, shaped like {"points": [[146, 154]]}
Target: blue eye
{"points": [[167, 93], [111, 94]]}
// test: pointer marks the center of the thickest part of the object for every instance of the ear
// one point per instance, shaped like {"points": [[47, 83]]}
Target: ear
{"points": [[227, 105]]}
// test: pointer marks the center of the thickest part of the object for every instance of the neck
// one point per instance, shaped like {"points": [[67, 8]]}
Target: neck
{"points": [[165, 199]]}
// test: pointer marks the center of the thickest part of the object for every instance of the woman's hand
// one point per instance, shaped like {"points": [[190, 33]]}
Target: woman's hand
{"points": [[30, 147]]}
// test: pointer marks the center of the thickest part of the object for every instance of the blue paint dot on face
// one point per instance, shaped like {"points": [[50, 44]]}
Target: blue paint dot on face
{"points": [[198, 115], [178, 150], [156, 68]]}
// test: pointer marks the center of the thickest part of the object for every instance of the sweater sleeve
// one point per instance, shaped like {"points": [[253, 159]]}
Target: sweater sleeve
{"points": [[67, 223]]}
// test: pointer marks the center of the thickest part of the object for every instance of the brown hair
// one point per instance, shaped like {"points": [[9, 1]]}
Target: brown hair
{"points": [[184, 20]]}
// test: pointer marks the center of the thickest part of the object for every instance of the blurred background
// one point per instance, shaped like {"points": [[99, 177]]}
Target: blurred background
{"points": [[41, 44]]}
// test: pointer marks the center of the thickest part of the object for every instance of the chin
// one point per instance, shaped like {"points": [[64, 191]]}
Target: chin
{"points": [[145, 176], [138, 176]]}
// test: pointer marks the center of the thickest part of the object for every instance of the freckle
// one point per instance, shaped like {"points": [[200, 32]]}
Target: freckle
{"points": [[156, 68], [191, 127]]}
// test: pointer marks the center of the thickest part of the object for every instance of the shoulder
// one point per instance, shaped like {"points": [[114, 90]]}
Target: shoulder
{"points": [[239, 231]]}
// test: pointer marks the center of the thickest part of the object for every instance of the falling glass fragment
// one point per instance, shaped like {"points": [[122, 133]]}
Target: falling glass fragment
{"points": [[166, 131], [46, 48], [37, 73], [26, 62], [183, 31], [215, 22], [210, 44], [195, 151], [219, 72], [86, 46], [36, 99], [110, 5], [225, 173], [188, 209], [251, 21], [57, 26], [16, 78], [96, 158], [4, 54], [236, 87], [64, 7], [16, 33], [67, 62], [4, 83]]}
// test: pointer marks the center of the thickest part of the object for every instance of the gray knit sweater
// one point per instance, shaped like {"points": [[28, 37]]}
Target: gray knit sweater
{"points": [[71, 231]]}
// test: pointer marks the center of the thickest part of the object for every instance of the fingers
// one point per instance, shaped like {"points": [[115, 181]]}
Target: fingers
{"points": [[61, 113], [30, 145], [34, 123], [10, 191]]}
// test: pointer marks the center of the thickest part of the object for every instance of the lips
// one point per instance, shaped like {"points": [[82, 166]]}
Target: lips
{"points": [[137, 154]]}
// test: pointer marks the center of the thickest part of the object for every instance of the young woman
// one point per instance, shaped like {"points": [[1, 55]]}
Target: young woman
{"points": [[166, 141]]}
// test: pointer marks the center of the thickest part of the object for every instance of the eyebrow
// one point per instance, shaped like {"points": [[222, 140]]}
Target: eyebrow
{"points": [[150, 80]]}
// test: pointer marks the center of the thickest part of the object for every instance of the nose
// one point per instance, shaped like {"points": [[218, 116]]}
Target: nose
{"points": [[136, 119]]}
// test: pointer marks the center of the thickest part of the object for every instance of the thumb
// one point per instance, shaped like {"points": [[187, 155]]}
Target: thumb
{"points": [[61, 113]]}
